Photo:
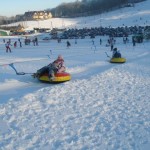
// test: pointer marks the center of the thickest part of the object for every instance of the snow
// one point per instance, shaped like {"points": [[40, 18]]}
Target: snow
{"points": [[104, 106]]}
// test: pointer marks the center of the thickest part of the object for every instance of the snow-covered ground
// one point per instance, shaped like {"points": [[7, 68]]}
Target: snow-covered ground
{"points": [[104, 107]]}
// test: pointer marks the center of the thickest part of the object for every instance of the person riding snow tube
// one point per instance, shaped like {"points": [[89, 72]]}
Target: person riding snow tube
{"points": [[116, 57], [54, 72]]}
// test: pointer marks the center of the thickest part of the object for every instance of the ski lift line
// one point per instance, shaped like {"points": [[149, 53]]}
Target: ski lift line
{"points": [[89, 53], [64, 48], [80, 54], [23, 61], [48, 56], [17, 73], [3, 59], [107, 55], [83, 54]]}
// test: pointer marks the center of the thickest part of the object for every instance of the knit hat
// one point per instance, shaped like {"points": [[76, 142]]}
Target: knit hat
{"points": [[59, 57], [115, 49]]}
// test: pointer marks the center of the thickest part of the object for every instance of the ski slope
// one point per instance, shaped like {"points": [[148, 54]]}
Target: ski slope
{"points": [[128, 16], [104, 107]]}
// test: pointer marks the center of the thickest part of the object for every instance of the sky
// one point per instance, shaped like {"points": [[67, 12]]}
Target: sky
{"points": [[14, 7]]}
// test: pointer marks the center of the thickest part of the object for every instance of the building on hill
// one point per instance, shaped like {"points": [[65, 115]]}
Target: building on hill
{"points": [[19, 17], [37, 15]]}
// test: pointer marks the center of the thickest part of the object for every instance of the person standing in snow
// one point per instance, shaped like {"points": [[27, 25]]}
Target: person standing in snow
{"points": [[15, 44], [100, 41], [111, 46], [68, 44], [36, 41], [133, 41], [7, 45], [20, 43]]}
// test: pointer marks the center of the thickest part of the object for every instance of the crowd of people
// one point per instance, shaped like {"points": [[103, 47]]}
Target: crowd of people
{"points": [[58, 64], [27, 41], [103, 31], [18, 43]]}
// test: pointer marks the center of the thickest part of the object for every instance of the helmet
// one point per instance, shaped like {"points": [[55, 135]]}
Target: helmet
{"points": [[115, 49]]}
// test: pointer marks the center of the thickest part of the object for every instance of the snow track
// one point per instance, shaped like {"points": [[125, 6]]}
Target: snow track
{"points": [[112, 120], [104, 106]]}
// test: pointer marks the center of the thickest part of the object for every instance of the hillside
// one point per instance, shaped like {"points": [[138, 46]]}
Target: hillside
{"points": [[129, 16], [105, 106]]}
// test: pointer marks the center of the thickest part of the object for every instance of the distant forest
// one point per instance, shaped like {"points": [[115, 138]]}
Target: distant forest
{"points": [[80, 8], [89, 7]]}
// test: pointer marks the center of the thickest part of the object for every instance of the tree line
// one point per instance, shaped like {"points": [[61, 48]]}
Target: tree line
{"points": [[79, 8], [88, 7]]}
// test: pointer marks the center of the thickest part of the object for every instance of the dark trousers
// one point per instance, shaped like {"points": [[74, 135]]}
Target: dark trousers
{"points": [[50, 69]]}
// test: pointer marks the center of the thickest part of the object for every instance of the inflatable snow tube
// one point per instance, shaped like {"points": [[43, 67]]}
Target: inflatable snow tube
{"points": [[59, 77], [117, 60]]}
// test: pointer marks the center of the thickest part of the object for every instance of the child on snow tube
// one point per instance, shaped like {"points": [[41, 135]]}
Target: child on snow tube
{"points": [[52, 68], [116, 53]]}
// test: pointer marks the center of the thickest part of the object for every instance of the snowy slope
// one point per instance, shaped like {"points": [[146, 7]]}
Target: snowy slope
{"points": [[129, 16], [104, 106]]}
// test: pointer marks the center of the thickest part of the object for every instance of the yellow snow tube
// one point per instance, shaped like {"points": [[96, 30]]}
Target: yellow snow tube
{"points": [[59, 77], [117, 60]]}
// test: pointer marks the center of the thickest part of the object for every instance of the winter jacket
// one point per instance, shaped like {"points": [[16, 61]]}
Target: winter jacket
{"points": [[58, 64]]}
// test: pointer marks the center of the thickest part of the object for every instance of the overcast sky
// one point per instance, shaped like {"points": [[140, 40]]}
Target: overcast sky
{"points": [[14, 7]]}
